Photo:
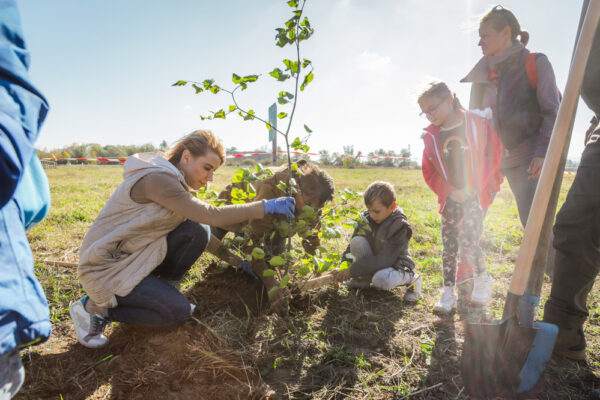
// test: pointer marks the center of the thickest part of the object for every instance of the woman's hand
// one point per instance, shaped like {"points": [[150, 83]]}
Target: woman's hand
{"points": [[535, 168], [280, 205]]}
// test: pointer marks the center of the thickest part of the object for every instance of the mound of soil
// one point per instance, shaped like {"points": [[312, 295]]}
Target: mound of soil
{"points": [[228, 289]]}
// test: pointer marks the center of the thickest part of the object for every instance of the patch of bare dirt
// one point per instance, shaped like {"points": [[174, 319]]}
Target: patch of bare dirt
{"points": [[186, 362]]}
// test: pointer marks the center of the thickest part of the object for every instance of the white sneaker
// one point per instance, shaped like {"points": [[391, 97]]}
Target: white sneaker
{"points": [[89, 327], [482, 289], [413, 292], [447, 301]]}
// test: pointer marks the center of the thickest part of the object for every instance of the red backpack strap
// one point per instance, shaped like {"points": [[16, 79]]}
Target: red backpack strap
{"points": [[531, 69]]}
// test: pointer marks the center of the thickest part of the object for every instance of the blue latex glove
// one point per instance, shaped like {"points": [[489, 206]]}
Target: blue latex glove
{"points": [[245, 266], [280, 205]]}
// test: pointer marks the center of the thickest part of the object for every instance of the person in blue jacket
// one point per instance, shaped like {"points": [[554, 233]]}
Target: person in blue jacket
{"points": [[24, 200]]}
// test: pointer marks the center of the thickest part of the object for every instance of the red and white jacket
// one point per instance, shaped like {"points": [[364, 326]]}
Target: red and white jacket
{"points": [[485, 154]]}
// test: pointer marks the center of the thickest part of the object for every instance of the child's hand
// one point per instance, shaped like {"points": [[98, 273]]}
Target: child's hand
{"points": [[341, 276]]}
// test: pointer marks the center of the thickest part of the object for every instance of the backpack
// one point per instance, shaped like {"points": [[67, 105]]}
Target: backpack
{"points": [[531, 70]]}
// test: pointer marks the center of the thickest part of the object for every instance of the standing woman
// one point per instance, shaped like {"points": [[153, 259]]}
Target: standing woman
{"points": [[149, 234], [520, 88]]}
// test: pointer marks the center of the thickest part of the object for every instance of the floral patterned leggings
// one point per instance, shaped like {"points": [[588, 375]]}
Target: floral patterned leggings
{"points": [[462, 226]]}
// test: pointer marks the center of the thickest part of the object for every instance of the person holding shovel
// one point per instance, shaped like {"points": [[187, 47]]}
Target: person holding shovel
{"points": [[520, 88], [149, 234], [577, 231]]}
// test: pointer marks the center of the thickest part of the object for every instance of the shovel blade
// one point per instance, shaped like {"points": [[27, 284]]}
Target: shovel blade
{"points": [[493, 356]]}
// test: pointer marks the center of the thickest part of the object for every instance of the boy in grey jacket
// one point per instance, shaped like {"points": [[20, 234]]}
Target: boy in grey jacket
{"points": [[379, 245]]}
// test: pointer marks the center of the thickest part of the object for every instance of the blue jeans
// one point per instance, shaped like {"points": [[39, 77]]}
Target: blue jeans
{"points": [[154, 302]]}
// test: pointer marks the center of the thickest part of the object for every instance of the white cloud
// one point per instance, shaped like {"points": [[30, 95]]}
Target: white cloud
{"points": [[373, 62], [188, 107]]}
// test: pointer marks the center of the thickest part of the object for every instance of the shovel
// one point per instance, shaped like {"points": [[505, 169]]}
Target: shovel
{"points": [[508, 357]]}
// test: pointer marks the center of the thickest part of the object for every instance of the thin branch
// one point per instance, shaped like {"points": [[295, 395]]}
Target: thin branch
{"points": [[422, 390]]}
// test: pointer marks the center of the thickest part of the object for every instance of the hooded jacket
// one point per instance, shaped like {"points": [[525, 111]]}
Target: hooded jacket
{"points": [[127, 240], [485, 154], [389, 242]]}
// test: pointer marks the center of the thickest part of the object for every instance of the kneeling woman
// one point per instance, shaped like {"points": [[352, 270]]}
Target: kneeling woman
{"points": [[149, 234]]}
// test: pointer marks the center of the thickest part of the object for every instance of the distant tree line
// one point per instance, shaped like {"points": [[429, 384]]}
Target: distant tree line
{"points": [[95, 150], [351, 159]]}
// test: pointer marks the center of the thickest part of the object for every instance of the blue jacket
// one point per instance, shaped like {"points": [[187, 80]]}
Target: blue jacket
{"points": [[23, 306]]}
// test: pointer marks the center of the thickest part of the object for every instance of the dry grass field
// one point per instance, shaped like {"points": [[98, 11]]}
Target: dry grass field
{"points": [[336, 343]]}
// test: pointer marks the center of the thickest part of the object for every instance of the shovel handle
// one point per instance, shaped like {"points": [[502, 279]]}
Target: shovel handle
{"points": [[564, 119]]}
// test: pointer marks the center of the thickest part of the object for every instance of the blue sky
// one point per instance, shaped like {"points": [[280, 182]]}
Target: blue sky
{"points": [[107, 66]]}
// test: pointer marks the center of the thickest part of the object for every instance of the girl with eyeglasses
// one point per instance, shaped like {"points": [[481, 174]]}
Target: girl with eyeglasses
{"points": [[460, 164]]}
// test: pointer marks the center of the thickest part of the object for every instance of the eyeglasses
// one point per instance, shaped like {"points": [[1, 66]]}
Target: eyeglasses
{"points": [[432, 110]]}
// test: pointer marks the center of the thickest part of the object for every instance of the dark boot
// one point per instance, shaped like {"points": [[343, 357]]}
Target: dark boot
{"points": [[570, 343]]}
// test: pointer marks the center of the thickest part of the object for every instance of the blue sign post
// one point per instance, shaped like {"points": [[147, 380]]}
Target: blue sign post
{"points": [[273, 131]]}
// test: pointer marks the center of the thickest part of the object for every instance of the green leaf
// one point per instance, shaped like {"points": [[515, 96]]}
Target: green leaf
{"points": [[282, 115], [258, 254], [232, 108], [250, 78], [208, 83], [293, 3], [276, 261], [296, 144], [236, 79], [307, 129], [273, 291], [249, 115], [305, 22], [306, 63], [303, 270], [307, 79], [215, 89], [198, 88], [286, 94], [269, 272], [284, 281], [220, 114], [292, 66], [281, 37], [282, 186], [281, 100], [279, 75], [180, 83]]}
